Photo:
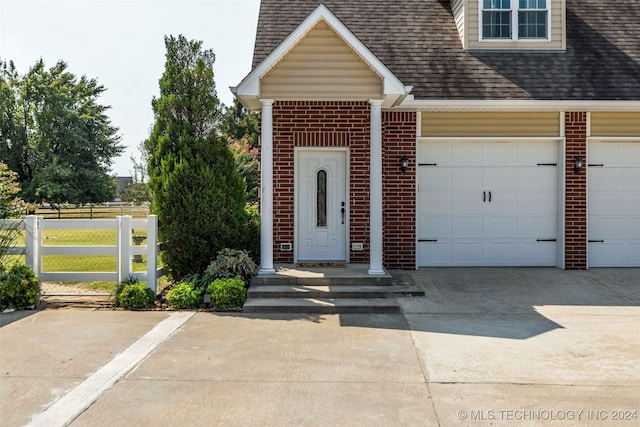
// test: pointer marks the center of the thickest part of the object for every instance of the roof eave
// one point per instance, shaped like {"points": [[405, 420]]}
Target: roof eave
{"points": [[520, 105]]}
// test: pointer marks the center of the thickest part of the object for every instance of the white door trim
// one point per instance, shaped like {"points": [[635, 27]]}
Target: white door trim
{"points": [[296, 153]]}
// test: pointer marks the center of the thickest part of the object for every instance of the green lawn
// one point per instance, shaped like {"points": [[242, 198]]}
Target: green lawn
{"points": [[80, 263]]}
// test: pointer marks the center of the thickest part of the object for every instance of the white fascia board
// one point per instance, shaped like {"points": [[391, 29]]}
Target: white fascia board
{"points": [[250, 85], [517, 105]]}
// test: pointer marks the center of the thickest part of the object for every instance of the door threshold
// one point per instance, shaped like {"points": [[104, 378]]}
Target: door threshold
{"points": [[321, 264]]}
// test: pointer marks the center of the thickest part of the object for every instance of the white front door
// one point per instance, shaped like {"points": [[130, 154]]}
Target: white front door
{"points": [[487, 203], [321, 205], [614, 204]]}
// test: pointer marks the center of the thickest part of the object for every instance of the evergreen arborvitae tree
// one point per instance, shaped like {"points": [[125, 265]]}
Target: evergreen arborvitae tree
{"points": [[198, 194]]}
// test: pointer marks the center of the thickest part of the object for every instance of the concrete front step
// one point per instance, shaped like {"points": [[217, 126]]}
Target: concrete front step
{"points": [[322, 305], [282, 280], [340, 291]]}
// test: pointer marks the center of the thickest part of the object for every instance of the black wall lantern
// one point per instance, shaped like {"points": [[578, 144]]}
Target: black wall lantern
{"points": [[578, 163], [404, 164]]}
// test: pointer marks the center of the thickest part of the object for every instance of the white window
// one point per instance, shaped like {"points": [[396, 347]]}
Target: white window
{"points": [[514, 19]]}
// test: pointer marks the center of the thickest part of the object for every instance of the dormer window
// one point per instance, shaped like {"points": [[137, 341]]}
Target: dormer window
{"points": [[514, 20]]}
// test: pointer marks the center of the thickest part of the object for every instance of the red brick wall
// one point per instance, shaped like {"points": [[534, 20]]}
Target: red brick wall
{"points": [[576, 193], [399, 190], [347, 124], [320, 124]]}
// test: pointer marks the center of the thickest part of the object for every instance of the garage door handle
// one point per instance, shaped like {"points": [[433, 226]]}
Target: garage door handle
{"points": [[595, 165], [484, 196], [596, 241], [489, 196]]}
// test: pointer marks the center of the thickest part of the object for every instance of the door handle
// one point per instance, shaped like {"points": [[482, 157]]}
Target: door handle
{"points": [[342, 211], [489, 196], [484, 196]]}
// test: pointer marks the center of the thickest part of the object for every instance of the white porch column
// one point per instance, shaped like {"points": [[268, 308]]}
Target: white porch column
{"points": [[266, 189], [375, 190]]}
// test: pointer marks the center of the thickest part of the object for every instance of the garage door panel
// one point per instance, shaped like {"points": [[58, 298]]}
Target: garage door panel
{"points": [[466, 153], [467, 227], [437, 152], [435, 227], [540, 178], [537, 227], [429, 175], [500, 203], [435, 203], [614, 204], [466, 202], [500, 179], [537, 202], [631, 181], [464, 179], [542, 152], [435, 254], [500, 153], [500, 226]]}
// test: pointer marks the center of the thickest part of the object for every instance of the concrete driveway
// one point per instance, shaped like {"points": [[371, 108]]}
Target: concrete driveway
{"points": [[485, 347]]}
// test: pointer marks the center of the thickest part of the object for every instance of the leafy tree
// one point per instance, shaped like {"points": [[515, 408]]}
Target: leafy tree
{"points": [[248, 166], [138, 191], [239, 124], [197, 192], [10, 207], [55, 135]]}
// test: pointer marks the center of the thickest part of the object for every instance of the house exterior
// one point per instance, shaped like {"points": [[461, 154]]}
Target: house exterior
{"points": [[448, 133]]}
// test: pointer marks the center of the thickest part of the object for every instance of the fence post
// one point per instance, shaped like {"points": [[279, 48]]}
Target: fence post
{"points": [[152, 252], [31, 242], [124, 248]]}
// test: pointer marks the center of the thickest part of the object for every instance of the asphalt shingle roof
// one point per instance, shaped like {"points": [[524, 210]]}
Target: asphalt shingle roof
{"points": [[418, 41]]}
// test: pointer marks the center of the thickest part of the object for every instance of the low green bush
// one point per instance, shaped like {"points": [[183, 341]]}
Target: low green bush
{"points": [[228, 293], [19, 288], [136, 295], [231, 263], [184, 295]]}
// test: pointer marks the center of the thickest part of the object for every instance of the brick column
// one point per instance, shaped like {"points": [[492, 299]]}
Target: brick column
{"points": [[576, 192]]}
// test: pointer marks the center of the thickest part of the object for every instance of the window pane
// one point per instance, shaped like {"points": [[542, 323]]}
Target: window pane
{"points": [[321, 199], [497, 4], [533, 4], [496, 25], [532, 25]]}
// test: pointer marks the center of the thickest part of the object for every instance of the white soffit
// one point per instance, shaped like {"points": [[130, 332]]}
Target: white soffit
{"points": [[249, 89]]}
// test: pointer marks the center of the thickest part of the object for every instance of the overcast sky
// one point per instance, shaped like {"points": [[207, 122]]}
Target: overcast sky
{"points": [[121, 44]]}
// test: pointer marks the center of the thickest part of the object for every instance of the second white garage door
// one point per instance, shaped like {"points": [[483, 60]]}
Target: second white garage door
{"points": [[614, 204], [487, 203]]}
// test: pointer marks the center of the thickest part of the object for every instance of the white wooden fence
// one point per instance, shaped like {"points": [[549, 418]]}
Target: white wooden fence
{"points": [[124, 250]]}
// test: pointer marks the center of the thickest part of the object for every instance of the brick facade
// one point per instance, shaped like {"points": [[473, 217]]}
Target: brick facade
{"points": [[576, 192], [347, 124], [399, 190]]}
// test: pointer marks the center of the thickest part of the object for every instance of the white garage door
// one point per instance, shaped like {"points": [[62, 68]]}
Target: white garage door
{"points": [[487, 203], [614, 204]]}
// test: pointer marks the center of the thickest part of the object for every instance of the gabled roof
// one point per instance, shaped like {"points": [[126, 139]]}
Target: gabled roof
{"points": [[249, 89], [417, 40]]}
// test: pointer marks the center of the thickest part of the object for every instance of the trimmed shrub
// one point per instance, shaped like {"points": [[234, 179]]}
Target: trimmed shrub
{"points": [[228, 293], [19, 288], [183, 295], [231, 263], [136, 295], [252, 236]]}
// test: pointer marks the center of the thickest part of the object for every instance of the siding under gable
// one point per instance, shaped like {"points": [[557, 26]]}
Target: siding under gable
{"points": [[615, 124], [558, 31], [321, 67], [490, 124], [458, 9]]}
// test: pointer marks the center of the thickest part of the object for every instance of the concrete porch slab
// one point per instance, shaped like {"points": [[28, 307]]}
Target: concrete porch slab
{"points": [[352, 274]]}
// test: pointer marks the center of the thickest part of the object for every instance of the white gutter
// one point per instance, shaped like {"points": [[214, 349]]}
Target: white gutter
{"points": [[517, 105]]}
